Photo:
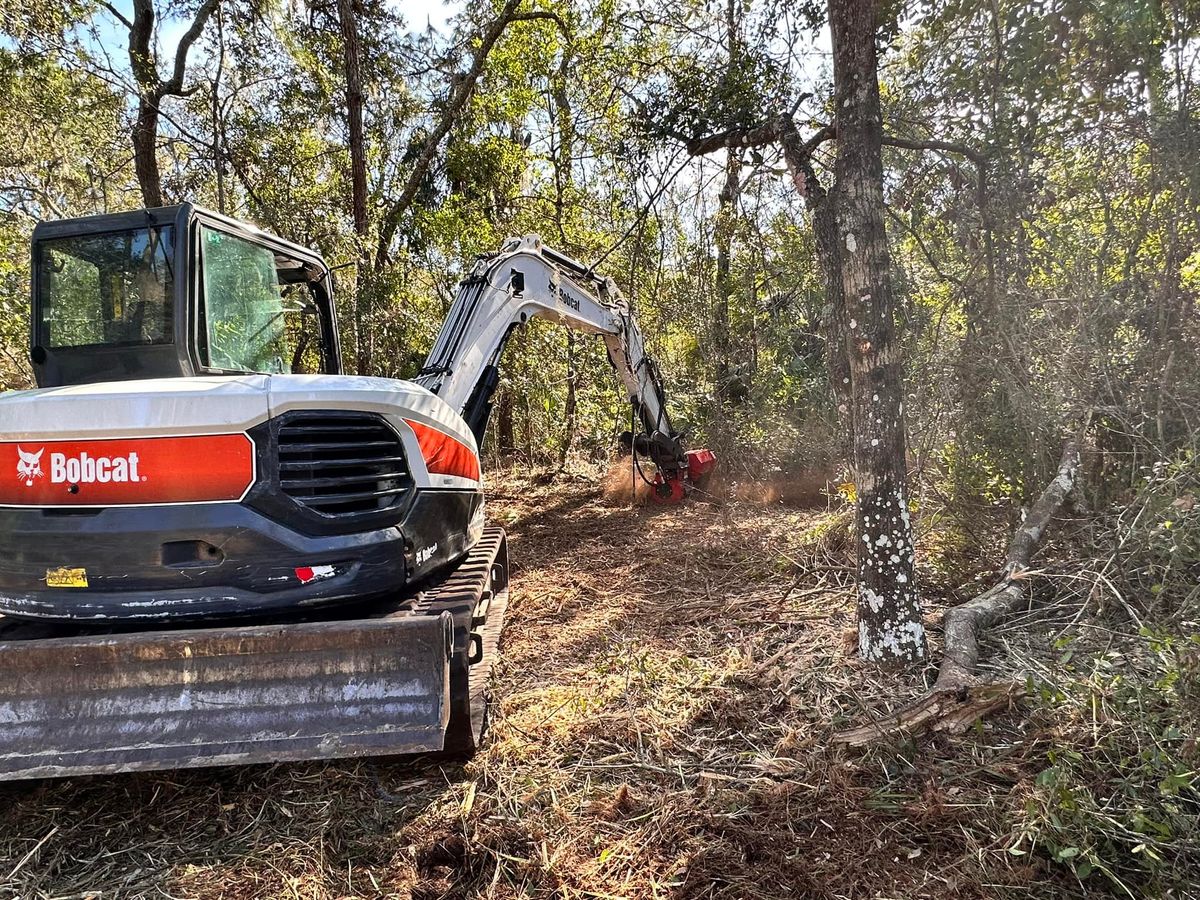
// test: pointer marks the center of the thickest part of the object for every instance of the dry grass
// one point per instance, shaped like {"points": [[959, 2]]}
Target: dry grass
{"points": [[669, 679]]}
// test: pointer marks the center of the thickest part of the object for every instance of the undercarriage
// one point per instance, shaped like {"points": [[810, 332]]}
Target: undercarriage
{"points": [[403, 674]]}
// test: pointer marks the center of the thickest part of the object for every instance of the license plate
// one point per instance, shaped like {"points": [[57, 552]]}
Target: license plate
{"points": [[66, 578]]}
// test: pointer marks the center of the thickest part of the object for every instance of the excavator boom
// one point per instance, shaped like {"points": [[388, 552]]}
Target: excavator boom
{"points": [[527, 279]]}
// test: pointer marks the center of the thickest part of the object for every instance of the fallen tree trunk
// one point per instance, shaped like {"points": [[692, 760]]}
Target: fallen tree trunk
{"points": [[950, 711], [963, 623], [957, 698]]}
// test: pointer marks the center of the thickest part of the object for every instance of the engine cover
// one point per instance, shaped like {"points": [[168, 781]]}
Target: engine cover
{"points": [[232, 495]]}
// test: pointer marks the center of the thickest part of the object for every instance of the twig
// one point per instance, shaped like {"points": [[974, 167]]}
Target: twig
{"points": [[30, 855]]}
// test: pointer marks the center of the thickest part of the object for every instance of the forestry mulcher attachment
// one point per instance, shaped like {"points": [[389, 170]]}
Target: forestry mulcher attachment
{"points": [[215, 547]]}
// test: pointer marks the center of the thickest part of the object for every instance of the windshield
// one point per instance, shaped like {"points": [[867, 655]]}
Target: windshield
{"points": [[113, 289], [253, 322]]}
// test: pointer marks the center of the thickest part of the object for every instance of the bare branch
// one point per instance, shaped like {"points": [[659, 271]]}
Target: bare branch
{"points": [[890, 140], [797, 153], [117, 14], [543, 14], [736, 138], [203, 14]]}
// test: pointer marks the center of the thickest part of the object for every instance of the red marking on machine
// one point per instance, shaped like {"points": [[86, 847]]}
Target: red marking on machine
{"points": [[668, 489], [700, 463], [127, 471], [307, 574], [445, 454]]}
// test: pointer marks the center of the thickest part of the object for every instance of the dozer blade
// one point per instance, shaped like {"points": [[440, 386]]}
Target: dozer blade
{"points": [[216, 696]]}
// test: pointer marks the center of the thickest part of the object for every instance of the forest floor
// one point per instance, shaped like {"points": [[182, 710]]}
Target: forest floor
{"points": [[669, 683]]}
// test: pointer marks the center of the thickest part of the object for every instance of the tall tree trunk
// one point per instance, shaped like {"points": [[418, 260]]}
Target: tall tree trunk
{"points": [[218, 125], [564, 135], [564, 181], [752, 306], [825, 234], [351, 51], [506, 443], [889, 612], [571, 413], [145, 151], [726, 213]]}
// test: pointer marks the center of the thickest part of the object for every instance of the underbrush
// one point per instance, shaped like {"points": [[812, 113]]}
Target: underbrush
{"points": [[1119, 798]]}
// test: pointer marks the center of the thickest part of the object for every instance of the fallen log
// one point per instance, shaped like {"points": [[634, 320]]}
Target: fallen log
{"points": [[949, 711], [960, 653], [957, 698]]}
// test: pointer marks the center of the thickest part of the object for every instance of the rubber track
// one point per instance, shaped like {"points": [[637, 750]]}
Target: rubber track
{"points": [[481, 672], [465, 587]]}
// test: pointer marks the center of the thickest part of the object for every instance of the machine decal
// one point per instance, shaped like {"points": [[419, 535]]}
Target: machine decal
{"points": [[66, 578], [308, 574], [129, 471], [29, 465], [444, 454]]}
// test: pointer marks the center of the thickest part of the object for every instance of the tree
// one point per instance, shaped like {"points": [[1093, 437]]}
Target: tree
{"points": [[889, 612], [351, 50], [851, 244], [152, 88], [459, 91], [724, 228], [563, 160]]}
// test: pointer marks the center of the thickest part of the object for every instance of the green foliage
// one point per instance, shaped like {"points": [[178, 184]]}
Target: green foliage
{"points": [[716, 95], [1119, 798], [1158, 538], [14, 304]]}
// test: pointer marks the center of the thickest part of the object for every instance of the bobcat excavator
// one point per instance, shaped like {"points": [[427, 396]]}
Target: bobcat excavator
{"points": [[215, 547]]}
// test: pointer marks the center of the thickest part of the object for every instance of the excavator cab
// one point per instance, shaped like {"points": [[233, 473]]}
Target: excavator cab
{"points": [[176, 291]]}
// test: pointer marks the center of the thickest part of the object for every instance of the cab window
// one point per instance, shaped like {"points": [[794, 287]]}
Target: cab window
{"points": [[112, 289], [258, 310]]}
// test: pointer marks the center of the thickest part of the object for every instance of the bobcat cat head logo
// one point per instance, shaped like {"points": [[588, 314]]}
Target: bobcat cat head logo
{"points": [[29, 466]]}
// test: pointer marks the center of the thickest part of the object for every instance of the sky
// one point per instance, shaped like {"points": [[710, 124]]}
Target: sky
{"points": [[419, 12]]}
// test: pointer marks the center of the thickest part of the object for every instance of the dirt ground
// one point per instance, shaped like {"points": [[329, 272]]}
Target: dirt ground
{"points": [[669, 682]]}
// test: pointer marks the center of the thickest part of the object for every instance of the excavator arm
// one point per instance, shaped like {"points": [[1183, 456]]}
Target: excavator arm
{"points": [[527, 279]]}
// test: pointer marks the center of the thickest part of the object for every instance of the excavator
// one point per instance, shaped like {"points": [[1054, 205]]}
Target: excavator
{"points": [[216, 547]]}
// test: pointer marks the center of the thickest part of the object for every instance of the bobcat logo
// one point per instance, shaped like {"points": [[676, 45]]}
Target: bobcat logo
{"points": [[29, 466]]}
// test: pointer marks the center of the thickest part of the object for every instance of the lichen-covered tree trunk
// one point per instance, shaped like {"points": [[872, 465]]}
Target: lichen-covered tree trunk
{"points": [[889, 612]]}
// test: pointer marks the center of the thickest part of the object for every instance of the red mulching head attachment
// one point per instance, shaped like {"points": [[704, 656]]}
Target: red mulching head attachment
{"points": [[674, 486]]}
